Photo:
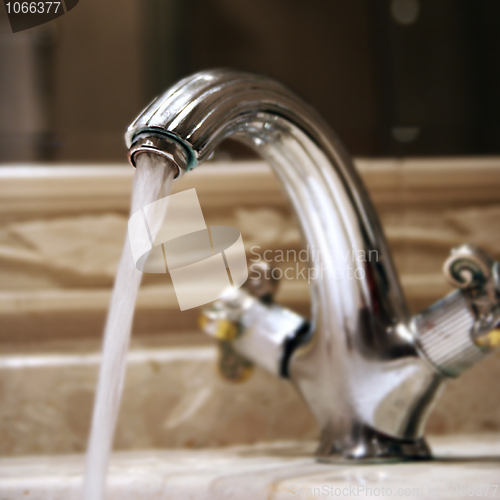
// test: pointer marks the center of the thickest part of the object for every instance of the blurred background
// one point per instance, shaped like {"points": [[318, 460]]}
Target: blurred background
{"points": [[412, 87], [392, 77]]}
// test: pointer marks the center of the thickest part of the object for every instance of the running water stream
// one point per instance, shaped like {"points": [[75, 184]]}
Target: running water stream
{"points": [[152, 181]]}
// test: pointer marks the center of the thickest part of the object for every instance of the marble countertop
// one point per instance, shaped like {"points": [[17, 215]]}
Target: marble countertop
{"points": [[270, 471]]}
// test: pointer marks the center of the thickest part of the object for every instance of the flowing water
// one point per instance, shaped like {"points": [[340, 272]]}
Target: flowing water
{"points": [[152, 181]]}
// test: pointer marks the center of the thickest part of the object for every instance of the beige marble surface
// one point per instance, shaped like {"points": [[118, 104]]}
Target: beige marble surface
{"points": [[266, 471], [84, 250]]}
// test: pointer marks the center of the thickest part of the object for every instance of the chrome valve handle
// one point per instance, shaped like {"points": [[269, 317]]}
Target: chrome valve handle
{"points": [[250, 328], [459, 330]]}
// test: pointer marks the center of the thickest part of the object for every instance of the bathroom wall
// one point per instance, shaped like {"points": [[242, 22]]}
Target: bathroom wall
{"points": [[392, 77]]}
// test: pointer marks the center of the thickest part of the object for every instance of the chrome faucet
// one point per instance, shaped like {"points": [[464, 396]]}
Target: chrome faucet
{"points": [[368, 370]]}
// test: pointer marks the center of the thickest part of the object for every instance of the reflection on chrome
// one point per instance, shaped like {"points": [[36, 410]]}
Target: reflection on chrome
{"points": [[369, 372]]}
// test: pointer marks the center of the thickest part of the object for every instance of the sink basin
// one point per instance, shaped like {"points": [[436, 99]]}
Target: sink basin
{"points": [[270, 471]]}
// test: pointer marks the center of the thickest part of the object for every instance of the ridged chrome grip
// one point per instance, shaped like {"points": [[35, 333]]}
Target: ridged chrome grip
{"points": [[453, 333], [445, 335]]}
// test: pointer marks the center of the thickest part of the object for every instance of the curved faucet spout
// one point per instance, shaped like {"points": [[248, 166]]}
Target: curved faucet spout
{"points": [[336, 215], [360, 371]]}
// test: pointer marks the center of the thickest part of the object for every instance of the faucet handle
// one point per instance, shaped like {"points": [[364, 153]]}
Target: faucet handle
{"points": [[262, 282], [250, 328], [469, 267], [475, 273], [461, 329], [221, 322]]}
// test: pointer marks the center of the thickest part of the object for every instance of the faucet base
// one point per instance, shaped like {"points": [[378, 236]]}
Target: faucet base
{"points": [[367, 445]]}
